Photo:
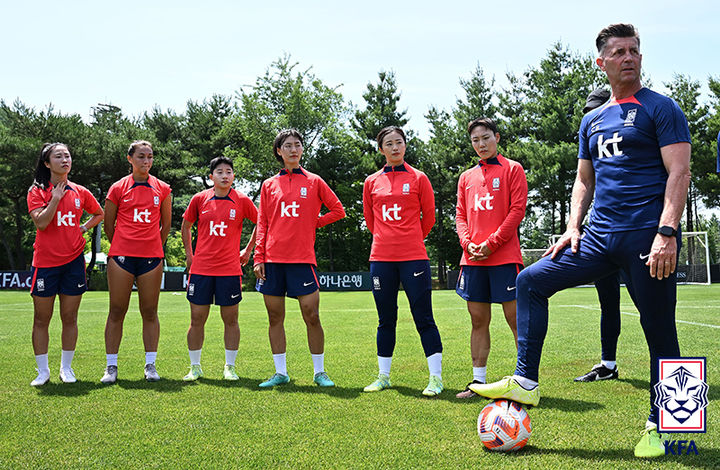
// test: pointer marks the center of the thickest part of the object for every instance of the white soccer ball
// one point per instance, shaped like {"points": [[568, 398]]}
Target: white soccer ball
{"points": [[504, 425]]}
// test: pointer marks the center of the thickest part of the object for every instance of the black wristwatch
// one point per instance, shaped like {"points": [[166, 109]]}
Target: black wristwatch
{"points": [[667, 231]]}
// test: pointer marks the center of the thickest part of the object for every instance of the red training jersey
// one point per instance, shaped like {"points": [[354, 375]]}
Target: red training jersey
{"points": [[289, 214], [399, 209], [137, 227], [62, 240], [491, 200], [219, 222]]}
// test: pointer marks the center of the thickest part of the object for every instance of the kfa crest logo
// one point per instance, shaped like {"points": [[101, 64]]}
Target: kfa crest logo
{"points": [[232, 214], [406, 188], [156, 201], [630, 118], [376, 283], [77, 203], [303, 192], [496, 183], [681, 394]]}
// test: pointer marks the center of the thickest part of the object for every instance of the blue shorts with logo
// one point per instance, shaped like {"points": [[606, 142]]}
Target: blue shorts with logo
{"points": [[488, 284], [136, 265], [293, 279], [226, 290], [68, 279]]}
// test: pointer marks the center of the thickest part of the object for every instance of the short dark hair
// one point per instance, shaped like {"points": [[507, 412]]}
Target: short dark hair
{"points": [[618, 30], [482, 121], [282, 137], [42, 172], [217, 161], [388, 130], [136, 144]]}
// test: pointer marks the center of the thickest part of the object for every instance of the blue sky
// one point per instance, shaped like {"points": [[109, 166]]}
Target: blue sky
{"points": [[140, 54]]}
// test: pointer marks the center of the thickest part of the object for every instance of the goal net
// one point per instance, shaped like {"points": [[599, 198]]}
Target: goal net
{"points": [[693, 263]]}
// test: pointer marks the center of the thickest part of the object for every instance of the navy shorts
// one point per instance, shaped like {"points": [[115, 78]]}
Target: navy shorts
{"points": [[225, 289], [293, 279], [135, 265], [68, 279], [488, 284]]}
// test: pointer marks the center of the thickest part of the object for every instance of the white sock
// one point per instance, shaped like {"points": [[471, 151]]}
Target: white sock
{"points": [[525, 383], [150, 357], [66, 358], [318, 362], [195, 356], [42, 363], [230, 355], [435, 364], [111, 359], [280, 363], [609, 364], [480, 374], [384, 364]]}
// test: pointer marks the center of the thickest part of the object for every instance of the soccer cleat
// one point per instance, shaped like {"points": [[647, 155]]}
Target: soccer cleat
{"points": [[195, 373], [42, 378], [598, 372], [467, 393], [381, 383], [276, 379], [507, 388], [229, 373], [650, 444], [151, 374], [434, 387], [110, 375], [322, 379], [67, 375]]}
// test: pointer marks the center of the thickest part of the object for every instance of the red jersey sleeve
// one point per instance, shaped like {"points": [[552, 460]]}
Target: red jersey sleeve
{"points": [[516, 212], [250, 211], [90, 204], [191, 213], [461, 223], [367, 206], [35, 199], [332, 202], [427, 205], [262, 224], [113, 194]]}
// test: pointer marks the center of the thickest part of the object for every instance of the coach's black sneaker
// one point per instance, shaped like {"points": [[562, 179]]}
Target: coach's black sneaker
{"points": [[599, 372]]}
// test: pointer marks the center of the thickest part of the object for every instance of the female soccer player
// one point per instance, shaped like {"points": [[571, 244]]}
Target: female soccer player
{"points": [[399, 209], [216, 266], [56, 206], [284, 258], [491, 200], [138, 210]]}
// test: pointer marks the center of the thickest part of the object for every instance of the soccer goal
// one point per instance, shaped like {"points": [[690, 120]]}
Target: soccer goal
{"points": [[693, 263]]}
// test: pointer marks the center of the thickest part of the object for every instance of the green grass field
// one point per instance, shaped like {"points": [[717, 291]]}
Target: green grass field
{"points": [[215, 424]]}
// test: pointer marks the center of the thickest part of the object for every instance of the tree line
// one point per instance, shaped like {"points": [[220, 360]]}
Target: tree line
{"points": [[538, 113]]}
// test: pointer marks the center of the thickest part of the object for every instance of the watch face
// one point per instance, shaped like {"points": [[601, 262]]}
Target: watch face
{"points": [[667, 231]]}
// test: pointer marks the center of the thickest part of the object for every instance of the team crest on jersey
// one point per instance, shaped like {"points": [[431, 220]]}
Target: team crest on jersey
{"points": [[496, 183], [376, 283], [77, 203], [191, 289], [232, 214], [303, 192], [630, 119], [156, 200], [406, 188], [40, 285]]}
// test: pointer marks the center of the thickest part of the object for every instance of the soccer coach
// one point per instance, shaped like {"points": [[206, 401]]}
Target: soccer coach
{"points": [[634, 159]]}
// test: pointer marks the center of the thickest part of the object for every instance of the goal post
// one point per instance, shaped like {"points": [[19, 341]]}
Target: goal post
{"points": [[693, 261]]}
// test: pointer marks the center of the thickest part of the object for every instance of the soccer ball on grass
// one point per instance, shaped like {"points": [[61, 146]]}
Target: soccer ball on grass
{"points": [[504, 425]]}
